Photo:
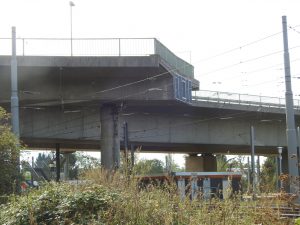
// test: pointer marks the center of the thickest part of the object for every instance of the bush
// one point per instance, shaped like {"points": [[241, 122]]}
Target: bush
{"points": [[58, 204], [9, 156], [118, 199]]}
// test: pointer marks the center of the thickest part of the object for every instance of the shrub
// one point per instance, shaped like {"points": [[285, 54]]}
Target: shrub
{"points": [[58, 204]]}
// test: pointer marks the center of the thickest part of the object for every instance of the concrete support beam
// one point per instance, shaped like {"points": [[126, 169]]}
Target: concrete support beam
{"points": [[110, 140]]}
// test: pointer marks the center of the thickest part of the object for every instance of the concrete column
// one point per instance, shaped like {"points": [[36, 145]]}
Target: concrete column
{"points": [[194, 163], [110, 140], [285, 167], [209, 162]]}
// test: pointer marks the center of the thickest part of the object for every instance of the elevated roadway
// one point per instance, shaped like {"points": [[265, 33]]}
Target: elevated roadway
{"points": [[80, 102]]}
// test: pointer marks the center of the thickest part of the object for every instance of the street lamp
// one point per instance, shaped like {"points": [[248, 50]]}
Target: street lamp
{"points": [[280, 164], [71, 5]]}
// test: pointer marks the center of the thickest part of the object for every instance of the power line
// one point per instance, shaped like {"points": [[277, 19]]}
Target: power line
{"points": [[246, 61], [239, 47]]}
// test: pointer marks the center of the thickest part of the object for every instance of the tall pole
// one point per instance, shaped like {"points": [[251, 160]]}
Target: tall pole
{"points": [[252, 159], [258, 173], [57, 159], [71, 23], [125, 132], [280, 166], [290, 117], [14, 87], [277, 173], [249, 174]]}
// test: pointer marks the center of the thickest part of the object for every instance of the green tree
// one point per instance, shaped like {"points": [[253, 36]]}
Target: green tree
{"points": [[268, 177], [148, 167], [9, 155], [84, 161], [43, 160]]}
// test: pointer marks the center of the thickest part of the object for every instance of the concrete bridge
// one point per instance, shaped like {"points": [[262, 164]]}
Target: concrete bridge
{"points": [[80, 102]]}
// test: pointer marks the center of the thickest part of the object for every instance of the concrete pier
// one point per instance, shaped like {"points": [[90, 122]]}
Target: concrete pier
{"points": [[205, 163], [110, 140], [194, 163]]}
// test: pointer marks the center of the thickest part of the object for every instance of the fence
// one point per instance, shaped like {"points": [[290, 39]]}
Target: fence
{"points": [[96, 47], [241, 99]]}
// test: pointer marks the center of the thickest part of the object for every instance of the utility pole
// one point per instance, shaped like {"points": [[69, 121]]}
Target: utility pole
{"points": [[280, 166], [252, 159], [249, 174], [290, 117], [14, 87], [258, 173], [71, 25], [125, 132]]}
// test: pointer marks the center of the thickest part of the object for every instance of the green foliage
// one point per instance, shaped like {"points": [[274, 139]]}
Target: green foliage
{"points": [[268, 175], [84, 161], [58, 204], [115, 199], [43, 160], [9, 156], [152, 166]]}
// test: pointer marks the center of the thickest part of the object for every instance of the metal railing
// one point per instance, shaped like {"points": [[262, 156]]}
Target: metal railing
{"points": [[241, 99], [96, 47]]}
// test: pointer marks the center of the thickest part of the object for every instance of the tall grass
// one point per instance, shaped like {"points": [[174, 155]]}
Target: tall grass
{"points": [[105, 198], [162, 205]]}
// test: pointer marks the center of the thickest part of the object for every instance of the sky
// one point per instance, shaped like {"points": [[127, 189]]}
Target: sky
{"points": [[197, 31]]}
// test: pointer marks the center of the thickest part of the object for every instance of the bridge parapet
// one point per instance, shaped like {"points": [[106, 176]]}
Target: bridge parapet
{"points": [[242, 99], [97, 47]]}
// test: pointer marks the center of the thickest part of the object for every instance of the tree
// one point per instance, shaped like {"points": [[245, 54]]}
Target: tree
{"points": [[43, 160], [148, 167], [9, 156], [268, 177], [84, 161]]}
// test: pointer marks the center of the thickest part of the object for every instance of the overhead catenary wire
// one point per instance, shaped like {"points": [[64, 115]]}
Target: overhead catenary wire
{"points": [[246, 61]]}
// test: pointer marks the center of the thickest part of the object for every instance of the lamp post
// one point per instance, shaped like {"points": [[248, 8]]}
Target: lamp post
{"points": [[71, 5], [280, 165]]}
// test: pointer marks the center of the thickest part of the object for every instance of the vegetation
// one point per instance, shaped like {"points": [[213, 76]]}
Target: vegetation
{"points": [[114, 199], [102, 198], [9, 156], [268, 175]]}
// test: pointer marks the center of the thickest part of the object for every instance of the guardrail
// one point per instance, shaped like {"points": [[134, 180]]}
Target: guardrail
{"points": [[96, 47], [241, 99]]}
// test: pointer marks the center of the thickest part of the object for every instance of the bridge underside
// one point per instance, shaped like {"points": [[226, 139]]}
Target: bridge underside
{"points": [[95, 145], [156, 127], [65, 105]]}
